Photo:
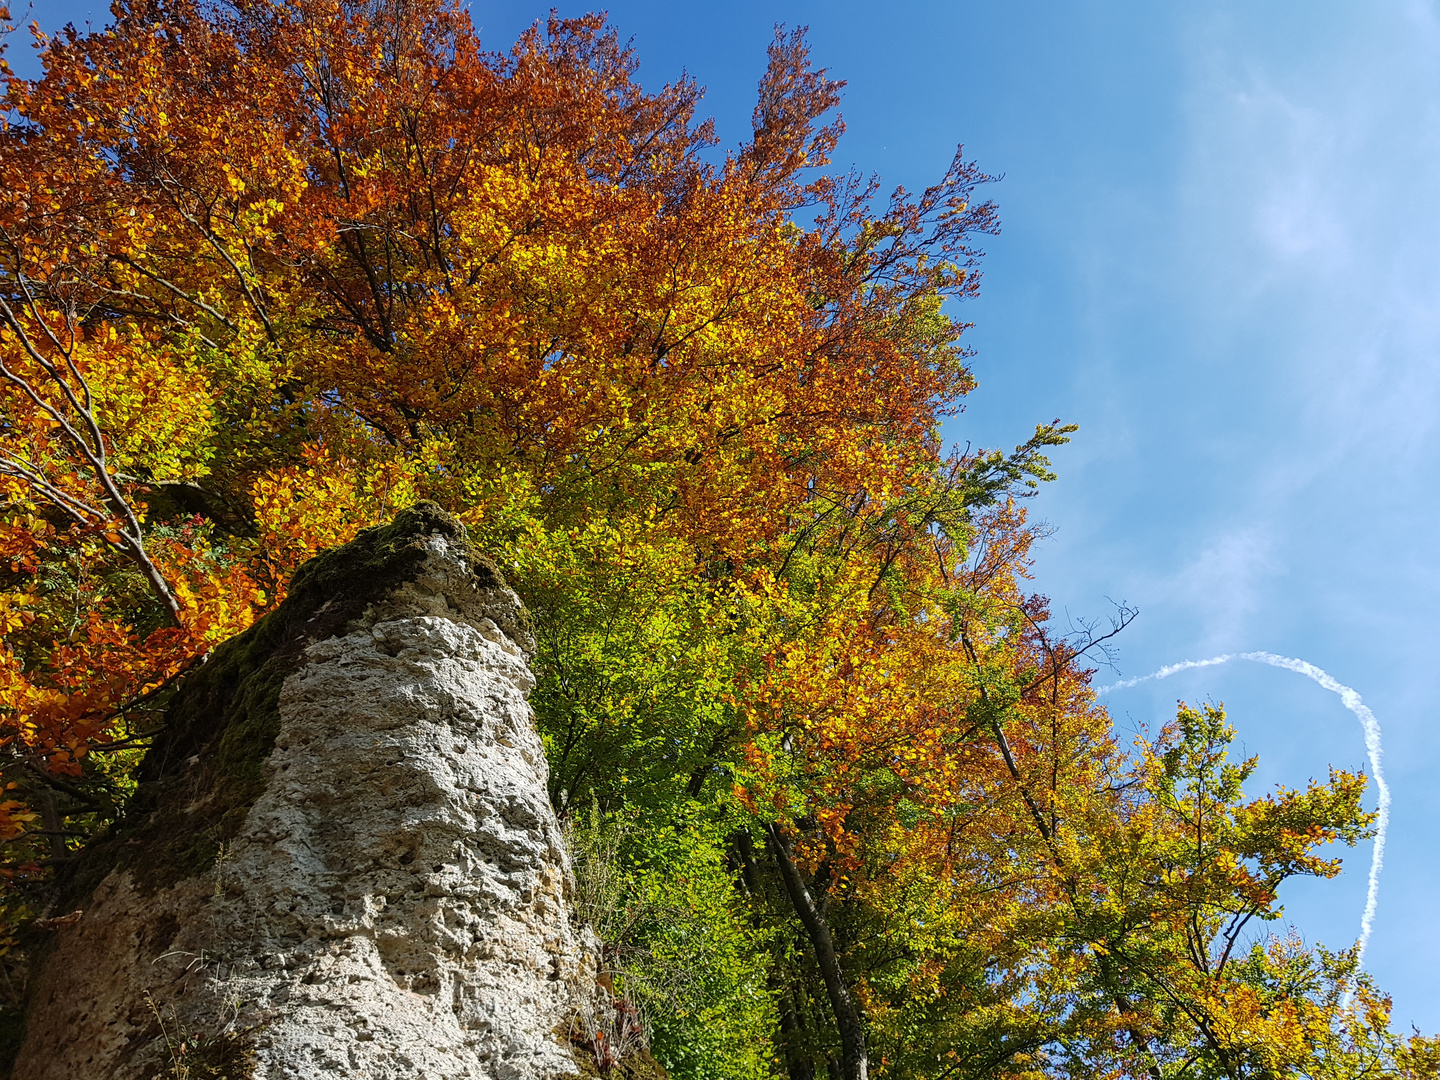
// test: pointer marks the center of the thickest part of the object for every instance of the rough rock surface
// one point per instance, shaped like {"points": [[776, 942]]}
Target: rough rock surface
{"points": [[388, 898]]}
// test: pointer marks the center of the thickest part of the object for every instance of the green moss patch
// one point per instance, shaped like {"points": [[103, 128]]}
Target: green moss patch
{"points": [[229, 1055]]}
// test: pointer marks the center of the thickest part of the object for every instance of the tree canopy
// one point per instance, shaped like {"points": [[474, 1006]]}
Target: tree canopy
{"points": [[842, 797]]}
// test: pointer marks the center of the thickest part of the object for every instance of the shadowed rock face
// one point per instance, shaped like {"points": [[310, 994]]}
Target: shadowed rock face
{"points": [[342, 861]]}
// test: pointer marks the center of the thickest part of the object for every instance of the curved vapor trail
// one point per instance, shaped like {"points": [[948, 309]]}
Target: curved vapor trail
{"points": [[1351, 700]]}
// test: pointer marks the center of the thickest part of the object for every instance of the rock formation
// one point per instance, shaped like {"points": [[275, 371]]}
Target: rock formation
{"points": [[341, 860]]}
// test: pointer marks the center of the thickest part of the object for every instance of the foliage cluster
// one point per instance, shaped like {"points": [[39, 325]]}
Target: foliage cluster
{"points": [[843, 801]]}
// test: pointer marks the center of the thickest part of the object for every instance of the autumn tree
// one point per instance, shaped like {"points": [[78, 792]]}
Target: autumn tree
{"points": [[271, 270]]}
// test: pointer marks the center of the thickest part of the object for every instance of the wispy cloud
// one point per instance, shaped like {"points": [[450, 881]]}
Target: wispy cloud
{"points": [[1308, 189], [1221, 587]]}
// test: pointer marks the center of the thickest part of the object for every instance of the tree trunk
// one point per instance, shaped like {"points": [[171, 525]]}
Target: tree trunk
{"points": [[797, 1065], [851, 1024]]}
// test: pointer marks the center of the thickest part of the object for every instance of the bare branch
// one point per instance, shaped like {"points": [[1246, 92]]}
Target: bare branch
{"points": [[86, 439]]}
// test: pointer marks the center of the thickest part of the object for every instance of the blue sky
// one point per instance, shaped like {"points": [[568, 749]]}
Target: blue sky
{"points": [[1221, 257]]}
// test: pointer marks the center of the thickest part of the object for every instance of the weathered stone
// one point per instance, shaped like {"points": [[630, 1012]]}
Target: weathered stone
{"points": [[342, 860]]}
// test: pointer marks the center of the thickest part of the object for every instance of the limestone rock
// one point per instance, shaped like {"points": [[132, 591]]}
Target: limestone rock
{"points": [[342, 860]]}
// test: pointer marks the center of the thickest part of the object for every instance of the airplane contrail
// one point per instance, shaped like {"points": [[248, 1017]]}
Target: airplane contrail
{"points": [[1351, 700]]}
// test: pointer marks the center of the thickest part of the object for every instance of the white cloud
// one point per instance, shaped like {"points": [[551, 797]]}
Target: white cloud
{"points": [[1219, 591]]}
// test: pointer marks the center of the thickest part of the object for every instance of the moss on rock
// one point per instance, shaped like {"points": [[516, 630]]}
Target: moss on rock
{"points": [[207, 767]]}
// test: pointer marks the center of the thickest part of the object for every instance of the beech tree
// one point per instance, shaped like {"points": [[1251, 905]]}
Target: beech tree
{"points": [[272, 270]]}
